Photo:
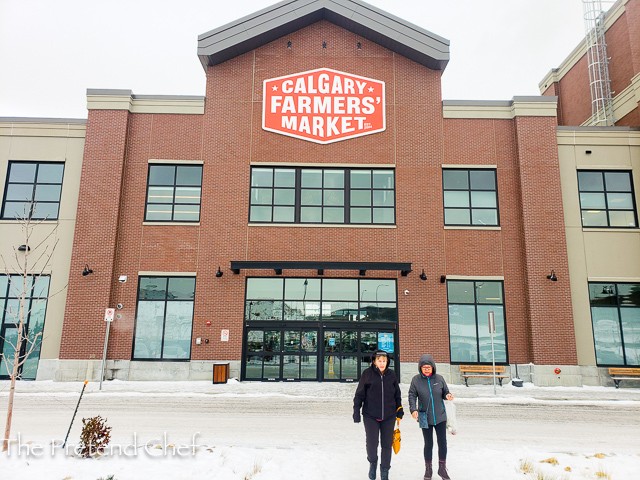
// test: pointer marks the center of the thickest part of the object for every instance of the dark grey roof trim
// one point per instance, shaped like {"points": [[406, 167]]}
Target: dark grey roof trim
{"points": [[167, 97], [108, 91], [288, 16], [498, 103], [103, 91], [79, 121]]}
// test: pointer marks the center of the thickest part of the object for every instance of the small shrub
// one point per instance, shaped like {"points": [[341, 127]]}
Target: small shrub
{"points": [[552, 461], [526, 466], [95, 436]]}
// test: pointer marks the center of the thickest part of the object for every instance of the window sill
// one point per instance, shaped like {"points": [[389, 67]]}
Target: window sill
{"points": [[183, 224], [470, 227], [317, 225], [611, 229], [9, 221]]}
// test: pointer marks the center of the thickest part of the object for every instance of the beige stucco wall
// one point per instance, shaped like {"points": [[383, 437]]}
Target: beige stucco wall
{"points": [[606, 254], [46, 140]]}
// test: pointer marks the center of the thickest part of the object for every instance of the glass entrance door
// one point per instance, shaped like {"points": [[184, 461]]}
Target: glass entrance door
{"points": [[347, 351], [281, 354], [329, 353]]}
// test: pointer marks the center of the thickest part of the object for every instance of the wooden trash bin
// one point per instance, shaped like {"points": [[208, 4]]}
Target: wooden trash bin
{"points": [[220, 372]]}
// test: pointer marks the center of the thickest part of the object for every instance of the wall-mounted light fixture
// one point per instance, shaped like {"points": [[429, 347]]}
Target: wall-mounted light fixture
{"points": [[552, 276], [362, 272], [359, 46], [443, 278], [86, 270], [219, 273], [289, 44], [278, 271], [422, 275], [24, 248], [324, 45]]}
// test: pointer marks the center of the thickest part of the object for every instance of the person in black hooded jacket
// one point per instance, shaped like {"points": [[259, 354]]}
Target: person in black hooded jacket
{"points": [[426, 403], [378, 396]]}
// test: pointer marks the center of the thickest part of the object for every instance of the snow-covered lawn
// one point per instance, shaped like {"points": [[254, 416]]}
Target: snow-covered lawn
{"points": [[269, 431]]}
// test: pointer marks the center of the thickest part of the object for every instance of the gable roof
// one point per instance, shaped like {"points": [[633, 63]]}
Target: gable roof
{"points": [[288, 16]]}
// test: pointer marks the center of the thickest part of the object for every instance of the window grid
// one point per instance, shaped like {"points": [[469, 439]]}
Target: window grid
{"points": [[142, 338], [500, 337], [597, 191], [372, 307], [33, 192], [615, 316], [473, 207], [185, 196], [323, 202]]}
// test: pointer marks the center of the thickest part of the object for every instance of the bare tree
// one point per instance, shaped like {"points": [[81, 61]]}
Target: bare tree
{"points": [[23, 273]]}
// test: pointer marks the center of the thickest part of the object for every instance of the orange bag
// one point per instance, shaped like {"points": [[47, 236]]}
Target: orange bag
{"points": [[396, 437]]}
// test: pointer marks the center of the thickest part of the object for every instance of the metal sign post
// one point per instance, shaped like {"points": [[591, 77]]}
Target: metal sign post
{"points": [[492, 330], [109, 313]]}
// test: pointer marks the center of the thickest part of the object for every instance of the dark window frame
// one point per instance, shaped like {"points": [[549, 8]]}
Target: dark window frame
{"points": [[471, 208], [35, 183], [173, 203], [6, 323], [475, 305], [619, 306], [320, 318], [605, 191], [164, 322], [298, 188]]}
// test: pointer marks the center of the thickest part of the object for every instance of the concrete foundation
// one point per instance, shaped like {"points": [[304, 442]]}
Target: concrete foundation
{"points": [[201, 370]]}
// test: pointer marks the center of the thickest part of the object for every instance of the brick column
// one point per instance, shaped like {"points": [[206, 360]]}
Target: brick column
{"points": [[545, 247], [95, 234]]}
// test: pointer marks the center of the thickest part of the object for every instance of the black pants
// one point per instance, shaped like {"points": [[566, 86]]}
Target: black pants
{"points": [[441, 433], [384, 431]]}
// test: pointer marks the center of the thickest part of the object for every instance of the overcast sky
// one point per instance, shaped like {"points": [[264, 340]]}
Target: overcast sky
{"points": [[51, 51]]}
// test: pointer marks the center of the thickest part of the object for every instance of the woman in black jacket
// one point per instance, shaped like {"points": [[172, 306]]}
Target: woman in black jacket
{"points": [[426, 403], [378, 395]]}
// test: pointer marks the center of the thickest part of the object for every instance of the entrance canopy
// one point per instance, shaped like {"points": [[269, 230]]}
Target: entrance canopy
{"points": [[281, 19], [362, 267]]}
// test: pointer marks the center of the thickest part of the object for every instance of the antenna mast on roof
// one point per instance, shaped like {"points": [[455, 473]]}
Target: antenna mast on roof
{"points": [[598, 64]]}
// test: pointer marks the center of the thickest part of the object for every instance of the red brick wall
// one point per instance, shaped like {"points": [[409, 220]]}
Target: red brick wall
{"points": [[228, 137], [550, 313], [95, 234]]}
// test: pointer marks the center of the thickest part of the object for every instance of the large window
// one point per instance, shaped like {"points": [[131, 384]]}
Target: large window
{"points": [[164, 318], [606, 199], [469, 305], [470, 197], [615, 313], [315, 299], [322, 195], [33, 190], [35, 306], [173, 193]]}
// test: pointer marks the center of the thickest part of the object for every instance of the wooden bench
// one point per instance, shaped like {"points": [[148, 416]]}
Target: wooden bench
{"points": [[619, 374], [467, 371]]}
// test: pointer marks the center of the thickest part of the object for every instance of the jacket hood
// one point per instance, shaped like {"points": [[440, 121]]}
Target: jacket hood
{"points": [[426, 359]]}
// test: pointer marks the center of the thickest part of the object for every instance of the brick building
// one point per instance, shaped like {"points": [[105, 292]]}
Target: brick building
{"points": [[322, 201]]}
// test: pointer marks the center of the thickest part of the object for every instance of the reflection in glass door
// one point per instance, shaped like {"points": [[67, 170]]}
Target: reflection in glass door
{"points": [[282, 354], [348, 352]]}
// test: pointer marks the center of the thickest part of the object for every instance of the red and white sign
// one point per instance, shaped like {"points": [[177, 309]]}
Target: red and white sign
{"points": [[224, 336], [109, 313], [323, 106]]}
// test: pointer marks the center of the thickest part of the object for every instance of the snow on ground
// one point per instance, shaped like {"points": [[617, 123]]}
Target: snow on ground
{"points": [[282, 431]]}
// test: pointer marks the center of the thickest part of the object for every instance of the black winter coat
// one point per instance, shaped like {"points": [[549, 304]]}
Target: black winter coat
{"points": [[377, 394]]}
